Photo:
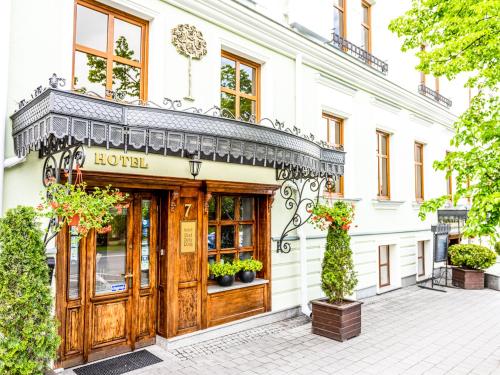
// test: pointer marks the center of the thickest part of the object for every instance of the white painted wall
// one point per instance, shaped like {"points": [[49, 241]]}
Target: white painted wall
{"points": [[330, 81]]}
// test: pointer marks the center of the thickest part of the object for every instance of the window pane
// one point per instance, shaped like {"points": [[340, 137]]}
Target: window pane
{"points": [[246, 209], [91, 28], [384, 191], [145, 237], [211, 260], [247, 108], [246, 255], [111, 256], [383, 255], [365, 14], [126, 81], [227, 236], [418, 153], [74, 265], [212, 209], [90, 73], [338, 22], [384, 275], [246, 234], [212, 237], [247, 79], [420, 266], [228, 102], [337, 183], [227, 258], [338, 124], [382, 144], [418, 181], [420, 249], [365, 39], [127, 39], [338, 3], [227, 208], [228, 73]]}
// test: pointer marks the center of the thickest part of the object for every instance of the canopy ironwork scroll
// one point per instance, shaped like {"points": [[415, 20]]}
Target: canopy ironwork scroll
{"points": [[61, 159], [301, 189]]}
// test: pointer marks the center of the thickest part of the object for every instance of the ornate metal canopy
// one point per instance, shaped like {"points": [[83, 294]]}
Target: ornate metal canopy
{"points": [[71, 118]]}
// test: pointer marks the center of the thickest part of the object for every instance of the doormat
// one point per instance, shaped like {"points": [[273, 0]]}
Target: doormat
{"points": [[120, 365]]}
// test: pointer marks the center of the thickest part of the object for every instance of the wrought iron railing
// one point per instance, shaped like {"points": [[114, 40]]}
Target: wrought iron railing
{"points": [[424, 90], [358, 52]]}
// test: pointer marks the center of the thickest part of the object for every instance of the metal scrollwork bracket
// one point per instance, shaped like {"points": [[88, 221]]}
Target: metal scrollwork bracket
{"points": [[59, 158], [301, 189]]}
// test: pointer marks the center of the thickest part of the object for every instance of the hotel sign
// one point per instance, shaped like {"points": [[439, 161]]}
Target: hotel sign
{"points": [[188, 236], [120, 160]]}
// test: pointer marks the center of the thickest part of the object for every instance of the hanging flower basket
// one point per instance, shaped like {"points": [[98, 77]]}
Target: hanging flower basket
{"points": [[82, 208]]}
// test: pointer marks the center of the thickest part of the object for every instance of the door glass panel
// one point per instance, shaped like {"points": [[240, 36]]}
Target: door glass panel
{"points": [[227, 237], [338, 22], [227, 258], [211, 260], [126, 81], [383, 255], [383, 188], [111, 256], [91, 28], [90, 73], [212, 209], [246, 209], [246, 232], [247, 79], [145, 238], [420, 266], [127, 39], [74, 265], [246, 255]]}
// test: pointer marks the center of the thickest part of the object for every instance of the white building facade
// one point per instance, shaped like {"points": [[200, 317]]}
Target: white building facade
{"points": [[355, 92]]}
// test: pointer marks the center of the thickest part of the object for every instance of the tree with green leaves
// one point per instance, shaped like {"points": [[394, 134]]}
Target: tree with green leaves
{"points": [[462, 37], [28, 330]]}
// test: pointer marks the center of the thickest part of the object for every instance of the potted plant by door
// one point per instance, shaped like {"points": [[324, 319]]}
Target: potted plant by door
{"points": [[470, 261], [224, 272], [248, 268], [335, 316]]}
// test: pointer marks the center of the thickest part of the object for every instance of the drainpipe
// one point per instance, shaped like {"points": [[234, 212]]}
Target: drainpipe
{"points": [[4, 75], [304, 300]]}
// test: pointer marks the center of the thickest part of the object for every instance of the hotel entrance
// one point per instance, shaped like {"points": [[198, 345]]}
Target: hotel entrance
{"points": [[111, 284]]}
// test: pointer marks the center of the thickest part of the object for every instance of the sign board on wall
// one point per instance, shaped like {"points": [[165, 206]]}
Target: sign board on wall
{"points": [[126, 161], [188, 236]]}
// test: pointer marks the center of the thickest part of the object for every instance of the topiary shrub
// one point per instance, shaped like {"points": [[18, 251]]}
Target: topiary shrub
{"points": [[28, 334], [472, 256], [338, 278]]}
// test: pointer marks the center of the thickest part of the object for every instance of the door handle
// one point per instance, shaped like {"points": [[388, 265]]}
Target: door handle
{"points": [[128, 278], [128, 275]]}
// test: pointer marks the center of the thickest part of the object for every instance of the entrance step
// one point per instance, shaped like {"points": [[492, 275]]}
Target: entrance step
{"points": [[255, 322]]}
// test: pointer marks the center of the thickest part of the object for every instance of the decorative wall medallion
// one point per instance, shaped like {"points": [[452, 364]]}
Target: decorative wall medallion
{"points": [[189, 42]]}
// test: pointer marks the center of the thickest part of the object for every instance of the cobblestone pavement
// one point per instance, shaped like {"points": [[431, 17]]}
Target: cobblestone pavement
{"points": [[408, 331]]}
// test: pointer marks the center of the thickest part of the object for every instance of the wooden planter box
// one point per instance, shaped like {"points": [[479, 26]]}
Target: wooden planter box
{"points": [[338, 322], [467, 279]]}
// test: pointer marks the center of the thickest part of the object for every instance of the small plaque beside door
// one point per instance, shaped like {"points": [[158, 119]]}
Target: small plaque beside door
{"points": [[188, 236]]}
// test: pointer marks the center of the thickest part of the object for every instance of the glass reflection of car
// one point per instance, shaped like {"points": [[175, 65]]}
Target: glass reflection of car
{"points": [[211, 240]]}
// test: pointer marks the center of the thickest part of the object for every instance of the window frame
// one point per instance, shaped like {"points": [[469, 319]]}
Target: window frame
{"points": [[218, 223], [388, 265], [379, 169], [236, 92], [420, 165], [342, 11], [329, 117], [367, 26], [109, 53], [421, 246]]}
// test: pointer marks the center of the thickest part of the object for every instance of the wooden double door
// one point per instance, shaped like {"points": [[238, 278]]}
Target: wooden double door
{"points": [[110, 285]]}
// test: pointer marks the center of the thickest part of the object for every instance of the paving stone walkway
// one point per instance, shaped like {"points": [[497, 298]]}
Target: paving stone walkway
{"points": [[408, 331]]}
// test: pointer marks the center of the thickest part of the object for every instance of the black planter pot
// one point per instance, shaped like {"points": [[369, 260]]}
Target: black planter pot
{"points": [[226, 280], [246, 276]]}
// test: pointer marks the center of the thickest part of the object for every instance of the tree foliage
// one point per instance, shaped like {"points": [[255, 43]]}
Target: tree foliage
{"points": [[463, 37], [28, 334]]}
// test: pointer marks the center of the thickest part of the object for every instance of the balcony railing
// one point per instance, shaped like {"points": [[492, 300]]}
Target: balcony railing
{"points": [[424, 90], [359, 53]]}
